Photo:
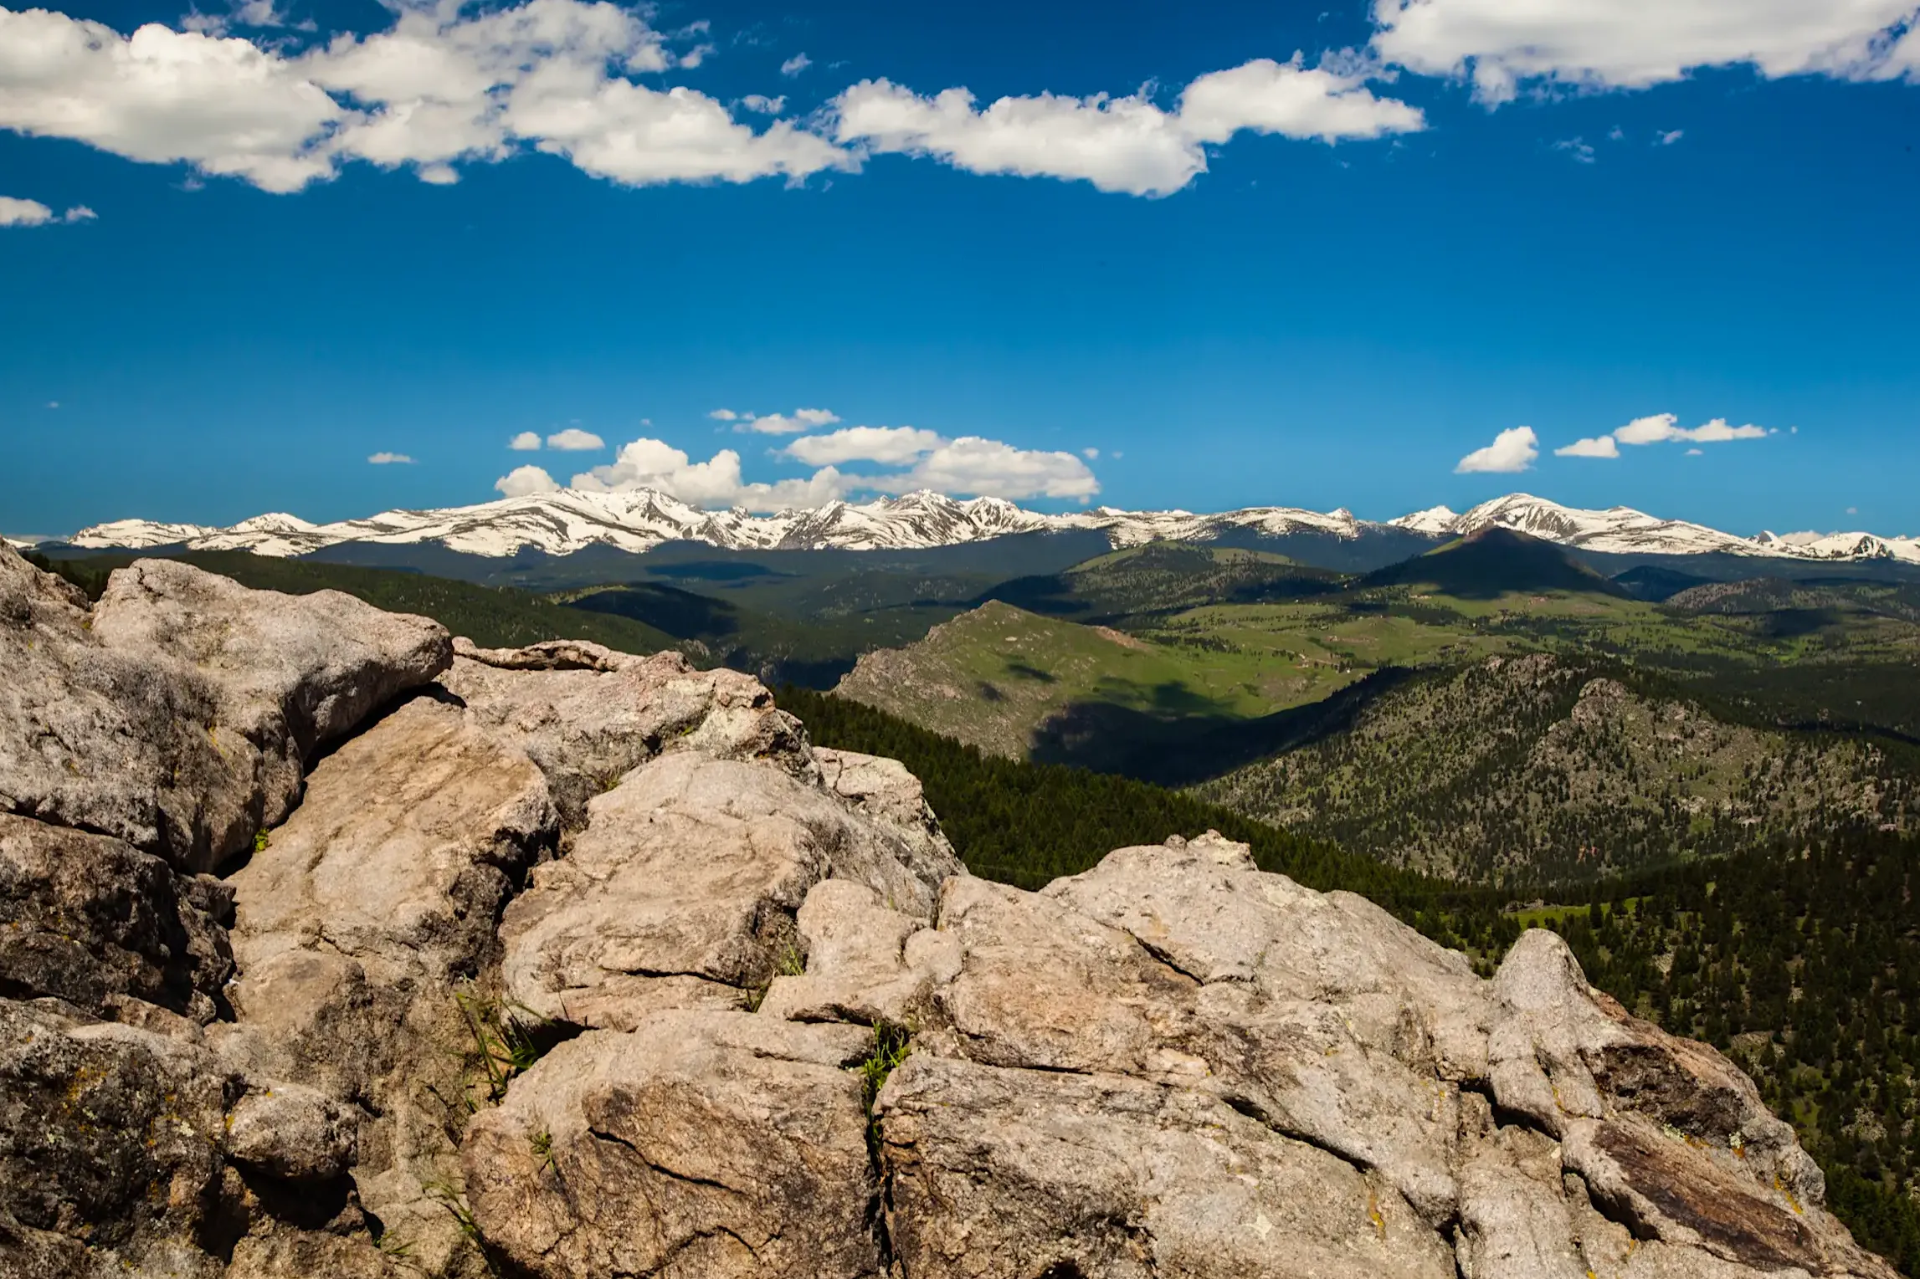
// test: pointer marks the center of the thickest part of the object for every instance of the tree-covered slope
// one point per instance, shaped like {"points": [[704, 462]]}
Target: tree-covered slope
{"points": [[1546, 768]]}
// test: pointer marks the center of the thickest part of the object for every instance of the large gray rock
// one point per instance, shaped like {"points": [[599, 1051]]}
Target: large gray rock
{"points": [[588, 716], [864, 963], [1010, 1174], [885, 791], [179, 713], [359, 928], [682, 890], [92, 921], [702, 1144]]}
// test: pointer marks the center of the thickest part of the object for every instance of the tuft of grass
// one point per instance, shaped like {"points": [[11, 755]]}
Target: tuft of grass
{"points": [[542, 1143], [891, 1045], [791, 962], [504, 1037], [260, 841]]}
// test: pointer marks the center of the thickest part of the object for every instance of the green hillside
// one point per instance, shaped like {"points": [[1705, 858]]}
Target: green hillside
{"points": [[1491, 563]]}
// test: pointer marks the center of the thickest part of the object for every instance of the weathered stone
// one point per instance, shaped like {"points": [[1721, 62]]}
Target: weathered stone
{"points": [[1514, 1219], [178, 715], [1010, 1174], [864, 963], [292, 1133], [107, 741], [1044, 986], [588, 717], [1205, 910], [111, 1138], [314, 1254], [93, 921], [360, 925], [884, 790], [690, 870], [702, 1145]]}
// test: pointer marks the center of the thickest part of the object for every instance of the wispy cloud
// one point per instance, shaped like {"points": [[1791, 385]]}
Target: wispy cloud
{"points": [[390, 459]]}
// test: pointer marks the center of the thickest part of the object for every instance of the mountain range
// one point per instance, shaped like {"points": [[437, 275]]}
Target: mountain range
{"points": [[571, 520]]}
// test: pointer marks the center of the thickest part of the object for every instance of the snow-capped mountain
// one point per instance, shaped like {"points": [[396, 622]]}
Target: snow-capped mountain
{"points": [[571, 520]]}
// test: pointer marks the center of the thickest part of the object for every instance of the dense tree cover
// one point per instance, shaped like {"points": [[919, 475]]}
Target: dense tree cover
{"points": [[1802, 961], [1027, 824]]}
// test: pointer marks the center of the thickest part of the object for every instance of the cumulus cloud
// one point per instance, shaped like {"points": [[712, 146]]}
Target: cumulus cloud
{"points": [[390, 459], [795, 65], [1505, 45], [763, 105], [779, 423], [887, 444], [1669, 137], [1600, 446], [1662, 428], [441, 85], [525, 481], [978, 467], [657, 465], [16, 212], [1581, 151], [725, 415], [1125, 144], [575, 440], [525, 442], [1512, 451]]}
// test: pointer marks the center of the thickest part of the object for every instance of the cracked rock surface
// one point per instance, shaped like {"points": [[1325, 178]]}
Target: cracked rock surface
{"points": [[332, 946]]}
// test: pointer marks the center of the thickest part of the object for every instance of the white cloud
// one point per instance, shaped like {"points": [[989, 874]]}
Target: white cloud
{"points": [[887, 444], [725, 415], [1669, 137], [390, 459], [575, 440], [1581, 151], [1502, 45], [442, 84], [780, 423], [761, 103], [655, 464], [1696, 452], [1663, 428], [1092, 455], [1124, 144], [15, 212], [1512, 450], [795, 65], [525, 481], [525, 442], [990, 468], [1601, 446]]}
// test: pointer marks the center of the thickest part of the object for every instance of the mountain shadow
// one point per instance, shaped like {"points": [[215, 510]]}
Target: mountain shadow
{"points": [[1491, 563], [1180, 741]]}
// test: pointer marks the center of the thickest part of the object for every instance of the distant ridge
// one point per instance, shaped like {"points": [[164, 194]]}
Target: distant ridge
{"points": [[1491, 561], [571, 520]]}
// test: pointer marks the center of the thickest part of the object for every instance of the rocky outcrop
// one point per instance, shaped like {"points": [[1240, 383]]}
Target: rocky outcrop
{"points": [[579, 964]]}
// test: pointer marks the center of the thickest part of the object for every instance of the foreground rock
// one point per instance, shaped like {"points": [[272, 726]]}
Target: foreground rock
{"points": [[179, 713]]}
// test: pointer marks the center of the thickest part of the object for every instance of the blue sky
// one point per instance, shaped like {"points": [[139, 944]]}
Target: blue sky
{"points": [[1519, 225]]}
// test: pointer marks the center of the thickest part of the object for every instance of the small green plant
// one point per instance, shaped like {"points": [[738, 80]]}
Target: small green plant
{"points": [[447, 1195], [504, 1037], [393, 1245], [891, 1044], [260, 841], [542, 1143], [791, 962]]}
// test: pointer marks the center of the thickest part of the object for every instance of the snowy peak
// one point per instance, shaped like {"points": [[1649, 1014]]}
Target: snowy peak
{"points": [[570, 520]]}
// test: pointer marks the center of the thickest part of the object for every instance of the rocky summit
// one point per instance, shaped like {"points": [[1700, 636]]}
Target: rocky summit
{"points": [[331, 945]]}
